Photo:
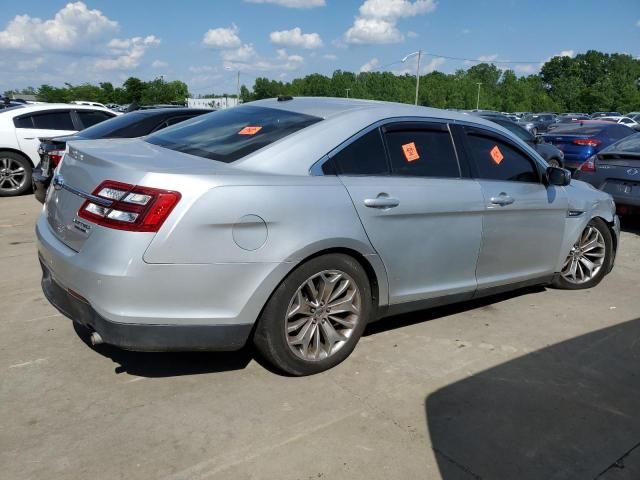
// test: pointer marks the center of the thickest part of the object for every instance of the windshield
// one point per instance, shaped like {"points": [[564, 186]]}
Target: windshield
{"points": [[111, 127], [630, 144], [229, 135]]}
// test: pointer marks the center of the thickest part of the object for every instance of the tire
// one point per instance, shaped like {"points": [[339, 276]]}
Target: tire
{"points": [[293, 306], [554, 162], [15, 174], [603, 236]]}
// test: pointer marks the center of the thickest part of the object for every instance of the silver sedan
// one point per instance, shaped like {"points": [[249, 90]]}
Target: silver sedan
{"points": [[293, 222]]}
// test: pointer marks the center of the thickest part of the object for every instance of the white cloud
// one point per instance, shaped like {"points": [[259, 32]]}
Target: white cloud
{"points": [[433, 65], [638, 23], [411, 34], [526, 68], [373, 30], [295, 38], [566, 53], [330, 56], [377, 20], [74, 27], [465, 31], [222, 38], [159, 64], [201, 68], [370, 65], [282, 61], [30, 64], [126, 53], [488, 58], [394, 9], [292, 3], [245, 53]]}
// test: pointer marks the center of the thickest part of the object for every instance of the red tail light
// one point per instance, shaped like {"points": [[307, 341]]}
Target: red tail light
{"points": [[55, 156], [133, 208], [589, 165], [587, 142]]}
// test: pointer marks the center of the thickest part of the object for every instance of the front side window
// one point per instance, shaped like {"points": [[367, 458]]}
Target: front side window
{"points": [[231, 134], [364, 156], [422, 153], [497, 160], [53, 121]]}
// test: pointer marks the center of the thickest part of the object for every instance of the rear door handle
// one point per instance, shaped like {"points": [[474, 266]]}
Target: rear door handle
{"points": [[381, 201], [502, 199]]}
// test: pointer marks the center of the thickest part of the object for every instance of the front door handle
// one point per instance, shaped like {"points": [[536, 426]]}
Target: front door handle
{"points": [[502, 199], [383, 201]]}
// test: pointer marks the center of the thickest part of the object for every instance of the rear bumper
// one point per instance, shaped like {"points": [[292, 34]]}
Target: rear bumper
{"points": [[40, 184], [141, 337]]}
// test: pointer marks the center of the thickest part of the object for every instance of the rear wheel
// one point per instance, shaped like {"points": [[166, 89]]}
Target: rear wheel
{"points": [[15, 174], [589, 259], [316, 316]]}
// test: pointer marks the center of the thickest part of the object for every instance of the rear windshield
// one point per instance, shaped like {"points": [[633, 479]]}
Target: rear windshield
{"points": [[116, 127], [229, 135], [577, 129], [631, 144]]}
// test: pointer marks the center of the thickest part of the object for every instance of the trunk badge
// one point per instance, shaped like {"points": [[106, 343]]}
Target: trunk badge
{"points": [[633, 171], [58, 182]]}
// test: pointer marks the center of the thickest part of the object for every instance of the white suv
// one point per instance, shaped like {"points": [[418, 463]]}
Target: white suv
{"points": [[21, 129]]}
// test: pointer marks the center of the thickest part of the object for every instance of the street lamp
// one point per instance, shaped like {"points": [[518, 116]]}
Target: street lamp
{"points": [[237, 85], [478, 101], [419, 54]]}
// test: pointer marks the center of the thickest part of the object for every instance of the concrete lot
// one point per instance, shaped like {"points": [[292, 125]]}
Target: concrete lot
{"points": [[537, 384]]}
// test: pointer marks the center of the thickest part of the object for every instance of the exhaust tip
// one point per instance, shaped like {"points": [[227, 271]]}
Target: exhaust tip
{"points": [[96, 339]]}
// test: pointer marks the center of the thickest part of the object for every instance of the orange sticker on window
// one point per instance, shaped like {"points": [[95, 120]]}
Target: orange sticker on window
{"points": [[496, 155], [249, 130], [410, 152]]}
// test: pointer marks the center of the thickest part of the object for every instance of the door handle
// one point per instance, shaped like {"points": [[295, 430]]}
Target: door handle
{"points": [[502, 199], [381, 201], [29, 138]]}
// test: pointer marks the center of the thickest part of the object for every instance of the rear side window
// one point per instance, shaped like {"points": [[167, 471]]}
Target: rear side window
{"points": [[422, 153], [23, 122], [53, 121], [496, 160], [365, 156], [231, 134], [90, 118]]}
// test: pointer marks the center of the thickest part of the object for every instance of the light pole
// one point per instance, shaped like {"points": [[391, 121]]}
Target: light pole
{"points": [[347, 89], [237, 85], [419, 54], [478, 101]]}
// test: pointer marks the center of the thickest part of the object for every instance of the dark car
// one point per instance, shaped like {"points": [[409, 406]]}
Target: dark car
{"points": [[538, 122], [581, 140], [130, 125], [550, 153], [616, 170]]}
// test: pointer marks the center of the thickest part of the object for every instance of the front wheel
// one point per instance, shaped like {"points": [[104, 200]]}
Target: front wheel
{"points": [[589, 259], [316, 316], [15, 174]]}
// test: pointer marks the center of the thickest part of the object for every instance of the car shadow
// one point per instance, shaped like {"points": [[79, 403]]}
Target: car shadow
{"points": [[407, 319], [570, 410], [168, 364], [630, 224]]}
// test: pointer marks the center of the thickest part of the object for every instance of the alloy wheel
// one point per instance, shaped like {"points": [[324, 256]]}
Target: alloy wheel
{"points": [[322, 315], [12, 175], [586, 257]]}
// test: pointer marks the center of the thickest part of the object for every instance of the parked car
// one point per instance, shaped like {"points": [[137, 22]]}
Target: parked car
{"points": [[553, 156], [538, 122], [564, 119], [293, 223], [623, 120], [634, 116], [616, 170], [20, 131], [130, 125], [86, 102], [595, 115], [582, 139]]}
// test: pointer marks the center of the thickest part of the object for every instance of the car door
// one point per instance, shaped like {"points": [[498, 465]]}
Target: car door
{"points": [[523, 220], [422, 217], [31, 127]]}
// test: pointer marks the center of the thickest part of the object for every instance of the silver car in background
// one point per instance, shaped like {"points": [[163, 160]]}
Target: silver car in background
{"points": [[292, 223]]}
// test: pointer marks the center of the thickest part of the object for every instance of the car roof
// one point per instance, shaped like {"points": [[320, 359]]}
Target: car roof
{"points": [[172, 110], [52, 106]]}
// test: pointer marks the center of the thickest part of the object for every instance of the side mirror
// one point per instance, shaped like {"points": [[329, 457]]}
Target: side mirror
{"points": [[558, 176]]}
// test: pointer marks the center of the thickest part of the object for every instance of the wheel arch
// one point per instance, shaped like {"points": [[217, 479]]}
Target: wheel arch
{"points": [[18, 152]]}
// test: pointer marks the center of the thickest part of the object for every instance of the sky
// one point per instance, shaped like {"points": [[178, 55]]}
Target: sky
{"points": [[206, 42]]}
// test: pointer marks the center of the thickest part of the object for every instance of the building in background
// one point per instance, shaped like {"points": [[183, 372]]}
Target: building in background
{"points": [[219, 103]]}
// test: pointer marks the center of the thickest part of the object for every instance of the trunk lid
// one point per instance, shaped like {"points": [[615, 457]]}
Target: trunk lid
{"points": [[621, 175], [90, 162]]}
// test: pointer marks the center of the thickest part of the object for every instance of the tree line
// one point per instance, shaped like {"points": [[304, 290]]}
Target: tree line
{"points": [[593, 81]]}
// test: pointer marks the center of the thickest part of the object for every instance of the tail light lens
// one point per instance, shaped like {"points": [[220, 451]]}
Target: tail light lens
{"points": [[589, 165], [133, 208], [55, 157], [587, 142]]}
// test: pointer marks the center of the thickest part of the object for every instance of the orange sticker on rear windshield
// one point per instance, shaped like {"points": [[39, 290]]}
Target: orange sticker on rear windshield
{"points": [[249, 130], [410, 152], [496, 155]]}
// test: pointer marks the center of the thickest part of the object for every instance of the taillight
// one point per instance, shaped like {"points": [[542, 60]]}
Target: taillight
{"points": [[132, 207], [587, 142], [589, 165], [55, 156]]}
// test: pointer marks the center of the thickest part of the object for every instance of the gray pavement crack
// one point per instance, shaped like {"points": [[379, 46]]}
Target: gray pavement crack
{"points": [[619, 463]]}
